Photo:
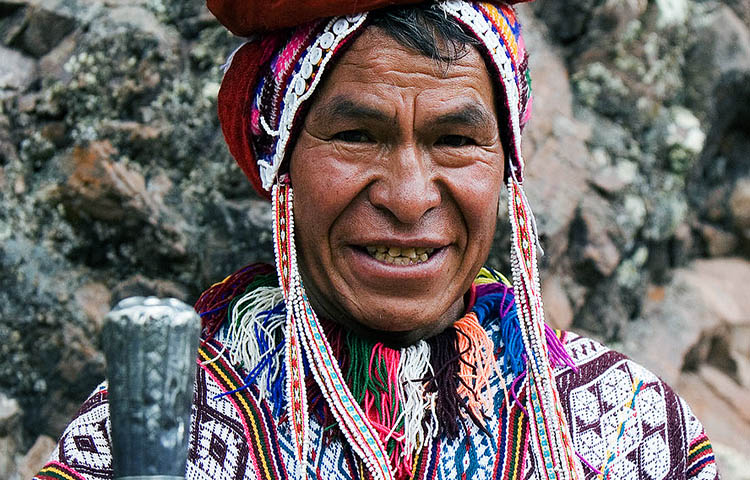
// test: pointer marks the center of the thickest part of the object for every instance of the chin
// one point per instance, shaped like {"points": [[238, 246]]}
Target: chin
{"points": [[400, 332]]}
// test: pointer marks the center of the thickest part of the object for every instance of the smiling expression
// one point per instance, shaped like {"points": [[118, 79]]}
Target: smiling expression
{"points": [[396, 174]]}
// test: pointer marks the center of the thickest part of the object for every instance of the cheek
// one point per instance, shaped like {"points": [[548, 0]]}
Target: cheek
{"points": [[323, 189], [477, 197]]}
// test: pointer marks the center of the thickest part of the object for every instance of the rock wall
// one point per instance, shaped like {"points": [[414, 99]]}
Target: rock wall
{"points": [[114, 180]]}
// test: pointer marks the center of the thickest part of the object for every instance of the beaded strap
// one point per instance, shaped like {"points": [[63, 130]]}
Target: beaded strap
{"points": [[283, 233], [554, 449], [305, 336]]}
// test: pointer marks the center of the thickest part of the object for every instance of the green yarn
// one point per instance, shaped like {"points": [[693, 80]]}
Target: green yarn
{"points": [[363, 380], [359, 377]]}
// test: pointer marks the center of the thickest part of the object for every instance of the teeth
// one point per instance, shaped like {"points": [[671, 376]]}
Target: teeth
{"points": [[398, 255]]}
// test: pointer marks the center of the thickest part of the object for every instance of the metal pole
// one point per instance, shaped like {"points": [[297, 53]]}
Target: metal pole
{"points": [[151, 349]]}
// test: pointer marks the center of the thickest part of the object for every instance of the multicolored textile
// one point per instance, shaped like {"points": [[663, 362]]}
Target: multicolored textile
{"points": [[625, 424], [262, 102]]}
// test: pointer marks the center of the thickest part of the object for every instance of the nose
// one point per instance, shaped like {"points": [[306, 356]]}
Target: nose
{"points": [[407, 187]]}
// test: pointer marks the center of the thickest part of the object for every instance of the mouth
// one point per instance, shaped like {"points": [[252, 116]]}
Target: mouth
{"points": [[400, 255]]}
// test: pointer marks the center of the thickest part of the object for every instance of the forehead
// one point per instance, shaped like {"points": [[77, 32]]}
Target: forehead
{"points": [[376, 65]]}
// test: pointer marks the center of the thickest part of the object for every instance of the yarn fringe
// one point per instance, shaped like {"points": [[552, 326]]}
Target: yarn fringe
{"points": [[391, 385], [420, 423], [444, 360], [477, 366], [411, 395], [255, 336], [213, 303]]}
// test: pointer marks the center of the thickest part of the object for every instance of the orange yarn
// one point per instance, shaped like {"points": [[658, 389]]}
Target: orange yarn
{"points": [[477, 364]]}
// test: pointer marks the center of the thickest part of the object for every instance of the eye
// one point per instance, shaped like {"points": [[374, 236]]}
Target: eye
{"points": [[353, 136], [455, 141]]}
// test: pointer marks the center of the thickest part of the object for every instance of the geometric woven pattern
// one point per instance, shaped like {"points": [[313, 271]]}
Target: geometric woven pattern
{"points": [[624, 422]]}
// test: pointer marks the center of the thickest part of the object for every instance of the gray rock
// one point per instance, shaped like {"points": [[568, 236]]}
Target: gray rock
{"points": [[719, 242], [43, 29], [568, 22], [37, 456], [720, 43], [732, 463], [611, 180], [671, 12], [739, 204], [18, 72], [678, 138], [10, 435], [7, 461], [741, 8], [694, 305], [593, 250], [10, 415], [144, 21], [725, 158], [558, 310]]}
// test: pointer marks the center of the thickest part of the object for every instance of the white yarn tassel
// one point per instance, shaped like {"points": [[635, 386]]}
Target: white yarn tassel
{"points": [[418, 405], [249, 322]]}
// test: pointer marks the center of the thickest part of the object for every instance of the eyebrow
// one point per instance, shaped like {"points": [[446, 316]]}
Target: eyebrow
{"points": [[469, 114], [342, 107]]}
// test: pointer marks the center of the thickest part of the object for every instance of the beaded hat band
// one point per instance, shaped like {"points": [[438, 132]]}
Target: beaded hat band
{"points": [[261, 104]]}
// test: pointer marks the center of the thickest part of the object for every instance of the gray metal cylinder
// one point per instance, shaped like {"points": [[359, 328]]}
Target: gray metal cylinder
{"points": [[151, 349]]}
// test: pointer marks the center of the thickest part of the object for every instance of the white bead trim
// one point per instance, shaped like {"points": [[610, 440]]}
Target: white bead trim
{"points": [[312, 64]]}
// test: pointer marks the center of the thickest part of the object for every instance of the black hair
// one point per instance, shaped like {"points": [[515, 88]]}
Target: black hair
{"points": [[426, 30]]}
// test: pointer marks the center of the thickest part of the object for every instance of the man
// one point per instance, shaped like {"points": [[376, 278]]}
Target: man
{"points": [[380, 347]]}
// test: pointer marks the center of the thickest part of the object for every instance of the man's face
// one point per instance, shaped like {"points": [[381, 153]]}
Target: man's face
{"points": [[396, 178]]}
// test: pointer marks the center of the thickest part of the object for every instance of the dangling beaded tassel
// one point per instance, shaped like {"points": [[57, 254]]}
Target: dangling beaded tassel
{"points": [[283, 233], [553, 447], [305, 334]]}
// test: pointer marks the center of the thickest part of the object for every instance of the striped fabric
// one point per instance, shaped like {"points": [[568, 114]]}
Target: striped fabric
{"points": [[235, 436], [700, 455], [58, 471]]}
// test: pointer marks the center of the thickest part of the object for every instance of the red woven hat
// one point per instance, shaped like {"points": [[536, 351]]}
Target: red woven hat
{"points": [[245, 17]]}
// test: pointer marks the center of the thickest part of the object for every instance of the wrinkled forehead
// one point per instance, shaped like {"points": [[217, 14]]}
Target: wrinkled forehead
{"points": [[381, 79]]}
